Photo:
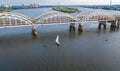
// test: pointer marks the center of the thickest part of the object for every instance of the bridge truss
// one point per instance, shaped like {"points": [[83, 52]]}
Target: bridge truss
{"points": [[52, 17], [10, 19], [99, 15], [55, 17]]}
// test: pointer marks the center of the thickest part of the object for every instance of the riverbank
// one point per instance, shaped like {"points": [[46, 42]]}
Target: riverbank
{"points": [[105, 7]]}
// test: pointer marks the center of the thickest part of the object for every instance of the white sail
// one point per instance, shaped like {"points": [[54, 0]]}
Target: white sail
{"points": [[57, 40]]}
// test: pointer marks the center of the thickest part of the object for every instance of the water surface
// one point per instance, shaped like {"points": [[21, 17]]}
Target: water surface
{"points": [[87, 51]]}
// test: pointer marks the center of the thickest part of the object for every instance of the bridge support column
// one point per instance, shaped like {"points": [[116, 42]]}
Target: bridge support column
{"points": [[99, 26], [102, 23], [34, 30], [113, 26], [104, 26], [72, 27], [80, 28], [117, 24]]}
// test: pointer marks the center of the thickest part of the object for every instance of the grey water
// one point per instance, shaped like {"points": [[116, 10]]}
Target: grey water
{"points": [[90, 50]]}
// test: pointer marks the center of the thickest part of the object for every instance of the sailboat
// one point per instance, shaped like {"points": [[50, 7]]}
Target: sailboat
{"points": [[57, 41]]}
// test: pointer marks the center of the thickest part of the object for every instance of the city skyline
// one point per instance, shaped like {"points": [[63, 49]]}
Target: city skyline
{"points": [[62, 2]]}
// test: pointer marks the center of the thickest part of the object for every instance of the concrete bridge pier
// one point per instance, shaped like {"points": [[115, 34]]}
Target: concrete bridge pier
{"points": [[104, 26], [72, 27], [99, 26], [102, 23], [113, 25], [34, 30], [117, 24], [80, 28]]}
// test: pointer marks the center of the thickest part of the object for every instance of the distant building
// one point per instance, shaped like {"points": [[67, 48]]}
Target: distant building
{"points": [[34, 5], [24, 6]]}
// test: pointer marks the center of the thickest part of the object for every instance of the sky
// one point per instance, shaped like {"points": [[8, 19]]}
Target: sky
{"points": [[62, 2]]}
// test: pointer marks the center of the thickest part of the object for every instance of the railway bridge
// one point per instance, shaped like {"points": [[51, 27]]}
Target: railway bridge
{"points": [[11, 19]]}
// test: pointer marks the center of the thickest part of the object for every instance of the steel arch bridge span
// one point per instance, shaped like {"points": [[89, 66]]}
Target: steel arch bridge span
{"points": [[11, 19], [54, 17], [98, 16]]}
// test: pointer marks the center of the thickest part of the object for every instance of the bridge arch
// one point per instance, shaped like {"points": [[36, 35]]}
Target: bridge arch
{"points": [[11, 19], [51, 17]]}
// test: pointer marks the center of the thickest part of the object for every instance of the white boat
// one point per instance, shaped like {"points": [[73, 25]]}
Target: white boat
{"points": [[57, 41]]}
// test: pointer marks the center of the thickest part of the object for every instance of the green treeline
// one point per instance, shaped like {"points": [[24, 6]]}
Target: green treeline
{"points": [[65, 9], [5, 10]]}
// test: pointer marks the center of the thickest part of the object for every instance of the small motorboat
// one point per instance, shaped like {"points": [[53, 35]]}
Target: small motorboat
{"points": [[57, 41]]}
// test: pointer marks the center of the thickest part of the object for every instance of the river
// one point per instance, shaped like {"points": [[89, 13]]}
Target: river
{"points": [[87, 51]]}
